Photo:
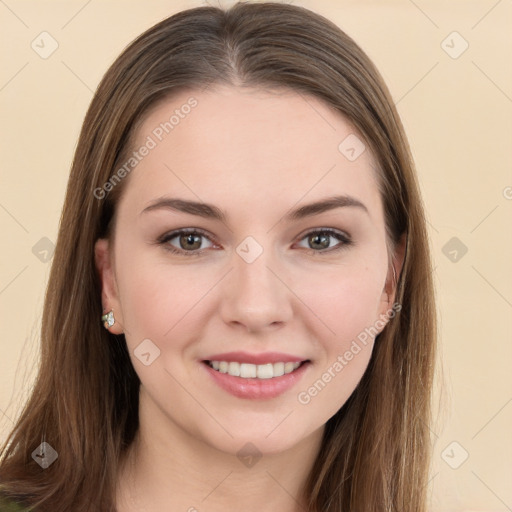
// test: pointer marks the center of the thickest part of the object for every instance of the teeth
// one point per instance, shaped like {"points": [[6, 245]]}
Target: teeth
{"points": [[234, 369], [252, 371], [265, 371], [289, 367], [248, 371], [278, 369]]}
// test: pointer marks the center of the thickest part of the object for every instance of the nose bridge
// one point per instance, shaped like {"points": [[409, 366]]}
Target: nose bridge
{"points": [[255, 296]]}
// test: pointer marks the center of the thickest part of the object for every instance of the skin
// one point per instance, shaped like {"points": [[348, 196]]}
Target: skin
{"points": [[255, 154]]}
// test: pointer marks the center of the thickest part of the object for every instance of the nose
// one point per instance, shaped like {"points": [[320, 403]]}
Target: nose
{"points": [[255, 295]]}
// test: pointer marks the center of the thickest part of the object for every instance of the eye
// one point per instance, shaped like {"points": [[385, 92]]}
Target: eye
{"points": [[183, 241], [320, 240], [191, 241]]}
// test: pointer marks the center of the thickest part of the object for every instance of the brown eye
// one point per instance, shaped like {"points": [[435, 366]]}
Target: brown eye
{"points": [[190, 241], [319, 241], [186, 241], [322, 240]]}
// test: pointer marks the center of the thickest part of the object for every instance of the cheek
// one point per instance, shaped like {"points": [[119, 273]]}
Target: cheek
{"points": [[344, 300], [156, 296], [163, 301], [349, 306]]}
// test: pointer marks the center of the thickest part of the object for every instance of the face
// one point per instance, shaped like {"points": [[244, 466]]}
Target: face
{"points": [[251, 319]]}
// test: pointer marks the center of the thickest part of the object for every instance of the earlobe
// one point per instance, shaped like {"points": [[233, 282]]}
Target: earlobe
{"points": [[109, 297]]}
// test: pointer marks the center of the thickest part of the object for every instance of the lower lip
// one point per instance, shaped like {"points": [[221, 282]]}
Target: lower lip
{"points": [[257, 388]]}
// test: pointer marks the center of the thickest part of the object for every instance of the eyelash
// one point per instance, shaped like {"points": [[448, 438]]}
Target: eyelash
{"points": [[164, 241]]}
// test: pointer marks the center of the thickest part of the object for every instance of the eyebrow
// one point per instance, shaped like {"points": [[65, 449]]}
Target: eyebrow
{"points": [[211, 211]]}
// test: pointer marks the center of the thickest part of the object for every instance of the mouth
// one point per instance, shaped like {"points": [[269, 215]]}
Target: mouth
{"points": [[255, 371], [252, 381]]}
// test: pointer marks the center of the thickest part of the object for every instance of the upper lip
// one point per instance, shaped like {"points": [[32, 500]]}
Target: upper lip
{"points": [[261, 358]]}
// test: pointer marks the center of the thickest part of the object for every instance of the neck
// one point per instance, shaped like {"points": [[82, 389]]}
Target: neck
{"points": [[167, 468]]}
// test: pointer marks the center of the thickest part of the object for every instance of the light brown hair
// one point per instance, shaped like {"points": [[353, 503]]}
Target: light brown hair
{"points": [[375, 451]]}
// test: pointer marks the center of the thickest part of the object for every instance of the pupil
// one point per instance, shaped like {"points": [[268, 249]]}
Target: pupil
{"points": [[321, 240], [188, 241]]}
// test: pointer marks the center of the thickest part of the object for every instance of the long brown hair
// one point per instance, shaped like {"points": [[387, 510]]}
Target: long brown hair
{"points": [[375, 451]]}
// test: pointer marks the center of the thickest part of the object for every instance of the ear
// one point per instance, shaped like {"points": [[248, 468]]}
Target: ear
{"points": [[396, 261], [104, 261], [395, 269]]}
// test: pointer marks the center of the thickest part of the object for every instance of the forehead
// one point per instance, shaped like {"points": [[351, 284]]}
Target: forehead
{"points": [[279, 143]]}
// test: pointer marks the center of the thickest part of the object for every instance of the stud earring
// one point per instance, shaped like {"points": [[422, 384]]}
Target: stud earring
{"points": [[108, 319]]}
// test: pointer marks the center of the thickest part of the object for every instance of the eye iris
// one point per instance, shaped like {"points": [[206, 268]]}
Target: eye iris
{"points": [[320, 240], [190, 241]]}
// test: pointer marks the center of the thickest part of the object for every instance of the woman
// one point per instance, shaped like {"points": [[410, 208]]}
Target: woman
{"points": [[240, 305]]}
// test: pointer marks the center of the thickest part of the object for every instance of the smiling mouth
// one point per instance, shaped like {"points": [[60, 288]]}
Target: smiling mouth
{"points": [[254, 371]]}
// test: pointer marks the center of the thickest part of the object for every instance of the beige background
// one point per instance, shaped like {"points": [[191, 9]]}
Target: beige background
{"points": [[457, 113]]}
